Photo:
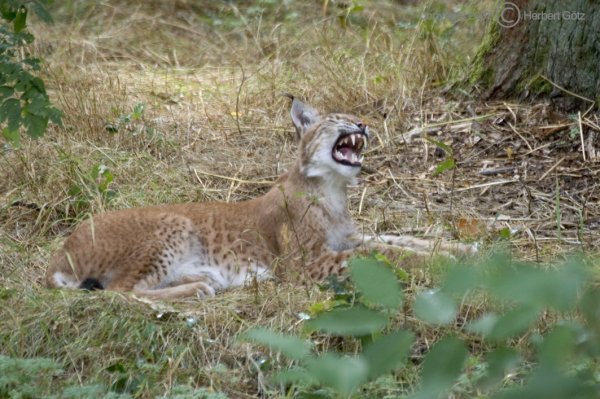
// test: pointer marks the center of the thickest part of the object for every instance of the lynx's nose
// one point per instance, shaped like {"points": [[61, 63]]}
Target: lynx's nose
{"points": [[363, 128]]}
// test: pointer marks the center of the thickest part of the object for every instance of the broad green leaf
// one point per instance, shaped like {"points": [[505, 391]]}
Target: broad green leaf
{"points": [[20, 20], [38, 85], [500, 362], [460, 280], [36, 125], [483, 325], [6, 92], [107, 178], [447, 164], [294, 375], [292, 347], [11, 110], [557, 347], [441, 367], [55, 116], [532, 286], [435, 307], [387, 353], [343, 374], [39, 105], [515, 322], [590, 307], [12, 136], [354, 321], [552, 383], [8, 13], [376, 281]]}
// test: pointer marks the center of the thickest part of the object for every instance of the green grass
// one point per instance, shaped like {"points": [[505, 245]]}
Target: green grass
{"points": [[214, 127]]}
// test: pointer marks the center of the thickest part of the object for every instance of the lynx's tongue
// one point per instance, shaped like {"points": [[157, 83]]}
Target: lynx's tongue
{"points": [[347, 150]]}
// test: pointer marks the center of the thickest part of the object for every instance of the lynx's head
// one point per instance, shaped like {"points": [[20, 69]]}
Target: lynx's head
{"points": [[331, 146]]}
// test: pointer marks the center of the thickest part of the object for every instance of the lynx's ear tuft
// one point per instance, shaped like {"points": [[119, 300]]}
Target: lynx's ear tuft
{"points": [[304, 116]]}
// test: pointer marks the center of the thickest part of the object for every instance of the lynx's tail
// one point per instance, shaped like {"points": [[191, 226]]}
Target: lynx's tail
{"points": [[60, 274], [91, 284]]}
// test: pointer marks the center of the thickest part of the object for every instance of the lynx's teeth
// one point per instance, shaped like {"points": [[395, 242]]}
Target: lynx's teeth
{"points": [[362, 158], [339, 155], [354, 158], [353, 138]]}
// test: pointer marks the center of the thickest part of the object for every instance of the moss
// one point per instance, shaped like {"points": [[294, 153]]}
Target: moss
{"points": [[537, 86], [481, 73]]}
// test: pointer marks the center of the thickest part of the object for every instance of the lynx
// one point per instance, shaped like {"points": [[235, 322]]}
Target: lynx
{"points": [[302, 223]]}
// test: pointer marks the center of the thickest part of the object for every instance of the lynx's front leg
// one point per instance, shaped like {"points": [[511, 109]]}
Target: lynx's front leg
{"points": [[335, 262], [423, 246]]}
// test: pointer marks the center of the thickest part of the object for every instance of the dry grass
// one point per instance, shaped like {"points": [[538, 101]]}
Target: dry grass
{"points": [[215, 127]]}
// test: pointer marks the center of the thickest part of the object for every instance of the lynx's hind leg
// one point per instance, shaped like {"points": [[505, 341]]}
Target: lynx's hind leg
{"points": [[199, 288]]}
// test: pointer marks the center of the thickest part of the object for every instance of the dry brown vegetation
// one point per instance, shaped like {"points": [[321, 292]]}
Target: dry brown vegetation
{"points": [[181, 101]]}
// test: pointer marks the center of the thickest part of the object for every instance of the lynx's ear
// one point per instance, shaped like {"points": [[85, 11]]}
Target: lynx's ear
{"points": [[304, 116]]}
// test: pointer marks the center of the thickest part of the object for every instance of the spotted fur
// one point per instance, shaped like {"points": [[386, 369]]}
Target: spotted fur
{"points": [[301, 226]]}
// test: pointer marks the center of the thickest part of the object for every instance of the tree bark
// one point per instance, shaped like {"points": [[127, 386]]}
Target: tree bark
{"points": [[542, 48]]}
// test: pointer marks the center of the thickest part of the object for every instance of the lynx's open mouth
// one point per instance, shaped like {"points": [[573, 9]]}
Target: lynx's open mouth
{"points": [[348, 147]]}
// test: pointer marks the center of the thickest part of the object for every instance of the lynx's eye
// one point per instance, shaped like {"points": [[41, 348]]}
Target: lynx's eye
{"points": [[348, 148]]}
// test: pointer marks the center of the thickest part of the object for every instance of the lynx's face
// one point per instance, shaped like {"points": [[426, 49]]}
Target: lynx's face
{"points": [[330, 145]]}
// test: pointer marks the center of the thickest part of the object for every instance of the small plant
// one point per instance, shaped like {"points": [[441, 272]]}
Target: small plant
{"points": [[93, 184], [23, 98], [524, 358], [362, 311], [134, 124]]}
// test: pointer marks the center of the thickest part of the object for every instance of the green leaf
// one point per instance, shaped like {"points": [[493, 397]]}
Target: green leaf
{"points": [[117, 367], [513, 323], [446, 164], [376, 281], [38, 85], [11, 110], [354, 321], [295, 375], [291, 347], [36, 125], [590, 307], [8, 13], [557, 347], [440, 144], [441, 367], [484, 325], [532, 286], [6, 92], [20, 20], [462, 279], [343, 374], [12, 136], [500, 362], [138, 111], [435, 307], [387, 353], [39, 10], [552, 383], [38, 106]]}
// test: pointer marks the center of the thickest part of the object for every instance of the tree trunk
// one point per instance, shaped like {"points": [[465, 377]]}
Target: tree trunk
{"points": [[542, 48]]}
